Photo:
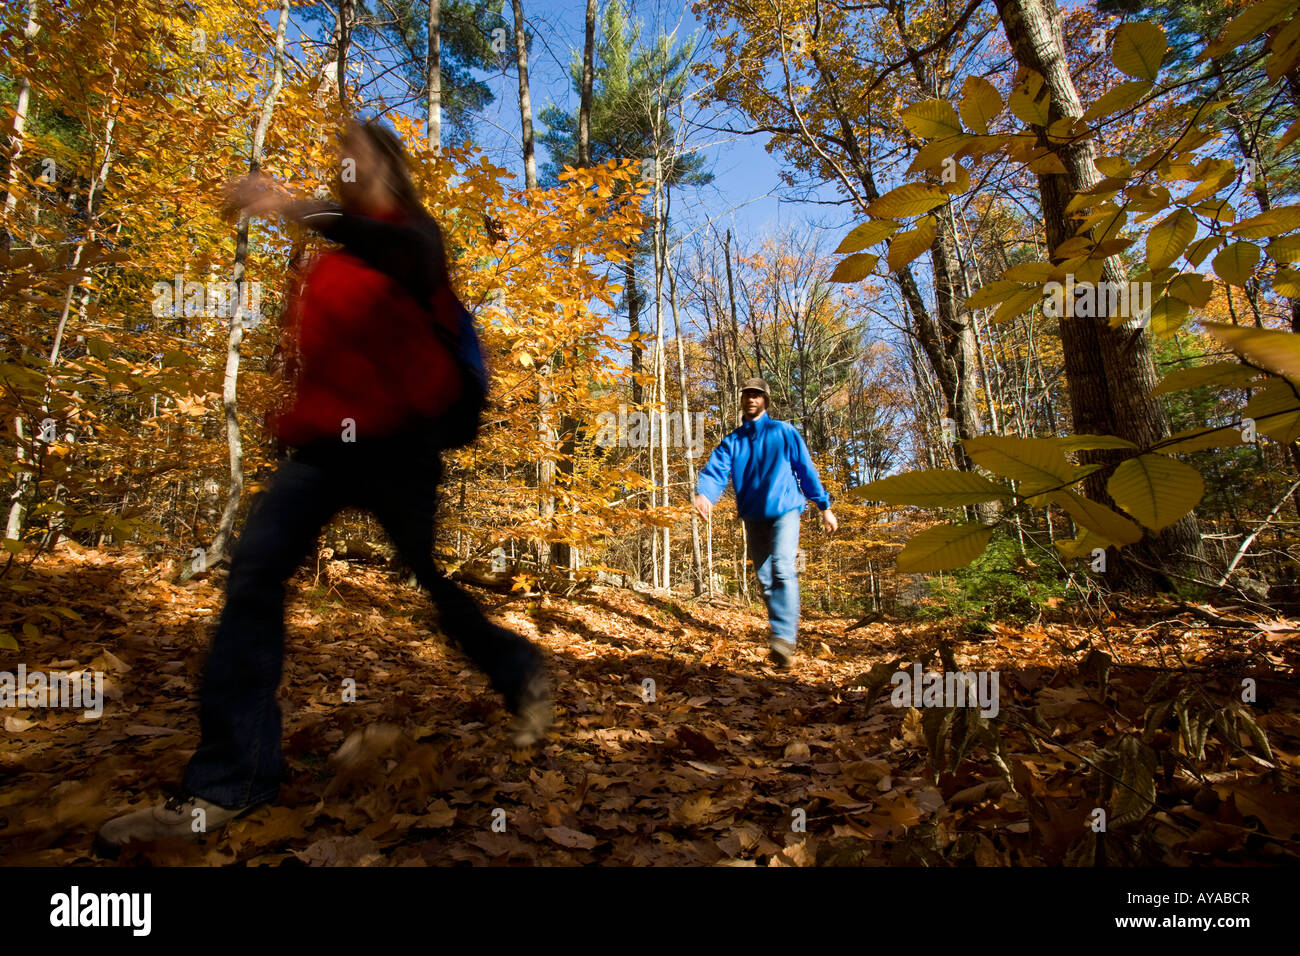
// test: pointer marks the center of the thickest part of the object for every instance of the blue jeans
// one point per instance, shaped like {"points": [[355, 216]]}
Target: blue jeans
{"points": [[773, 543], [239, 760]]}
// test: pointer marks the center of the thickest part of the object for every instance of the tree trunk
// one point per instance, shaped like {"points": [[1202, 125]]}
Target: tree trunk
{"points": [[229, 390], [688, 439], [525, 103], [17, 510], [433, 74], [632, 295], [347, 12], [661, 383], [588, 81], [10, 178], [1110, 372]]}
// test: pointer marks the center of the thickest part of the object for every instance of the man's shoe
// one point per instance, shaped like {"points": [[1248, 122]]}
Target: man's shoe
{"points": [[532, 711], [189, 818], [781, 655]]}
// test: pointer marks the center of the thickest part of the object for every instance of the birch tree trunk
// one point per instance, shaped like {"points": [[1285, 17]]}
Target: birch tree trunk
{"points": [[347, 12], [661, 412], [229, 390], [687, 438], [17, 509], [21, 105], [433, 74]]}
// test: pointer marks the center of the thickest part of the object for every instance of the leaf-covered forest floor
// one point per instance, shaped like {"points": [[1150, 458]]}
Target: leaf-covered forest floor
{"points": [[713, 770]]}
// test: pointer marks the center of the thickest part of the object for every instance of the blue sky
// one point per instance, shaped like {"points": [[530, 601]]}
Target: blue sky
{"points": [[745, 195], [746, 175]]}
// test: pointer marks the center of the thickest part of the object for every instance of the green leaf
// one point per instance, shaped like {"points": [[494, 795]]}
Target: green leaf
{"points": [[1236, 263], [867, 234], [1156, 490], [944, 548], [1169, 237], [938, 488], [1268, 348], [176, 358], [911, 199], [1037, 463], [1097, 518], [930, 119], [980, 103], [855, 268], [1221, 374], [7, 642]]}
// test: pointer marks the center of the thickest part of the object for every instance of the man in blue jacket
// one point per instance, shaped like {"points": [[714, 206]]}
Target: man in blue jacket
{"points": [[768, 463]]}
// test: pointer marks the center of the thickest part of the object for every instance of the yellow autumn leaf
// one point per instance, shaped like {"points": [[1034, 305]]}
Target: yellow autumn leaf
{"points": [[1235, 264], [906, 246], [1139, 49]]}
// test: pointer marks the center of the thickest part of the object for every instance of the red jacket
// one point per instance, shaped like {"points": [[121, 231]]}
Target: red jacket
{"points": [[362, 349]]}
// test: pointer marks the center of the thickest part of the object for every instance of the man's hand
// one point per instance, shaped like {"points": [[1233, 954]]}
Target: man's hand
{"points": [[703, 507], [829, 521]]}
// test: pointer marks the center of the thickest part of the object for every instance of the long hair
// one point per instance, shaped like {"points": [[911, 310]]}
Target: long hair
{"points": [[398, 173], [397, 177]]}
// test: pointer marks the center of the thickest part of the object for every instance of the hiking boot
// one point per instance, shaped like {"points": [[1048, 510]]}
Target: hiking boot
{"points": [[532, 710], [781, 654], [177, 818]]}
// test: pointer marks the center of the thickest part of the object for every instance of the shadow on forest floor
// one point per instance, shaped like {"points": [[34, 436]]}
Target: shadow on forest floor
{"points": [[731, 762]]}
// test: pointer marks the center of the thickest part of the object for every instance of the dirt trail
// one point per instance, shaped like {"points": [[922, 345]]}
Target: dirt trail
{"points": [[721, 760]]}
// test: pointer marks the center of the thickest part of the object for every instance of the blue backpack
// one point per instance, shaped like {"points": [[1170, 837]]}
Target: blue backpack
{"points": [[460, 424]]}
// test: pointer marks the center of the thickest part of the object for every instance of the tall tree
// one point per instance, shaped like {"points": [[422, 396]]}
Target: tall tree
{"points": [[1110, 369], [230, 381], [433, 77], [525, 97], [588, 81]]}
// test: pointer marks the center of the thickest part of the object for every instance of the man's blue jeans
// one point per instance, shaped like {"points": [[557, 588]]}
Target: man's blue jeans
{"points": [[773, 544], [239, 762]]}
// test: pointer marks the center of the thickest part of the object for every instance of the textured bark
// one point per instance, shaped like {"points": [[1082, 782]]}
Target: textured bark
{"points": [[525, 101], [433, 72], [1110, 371], [588, 81], [21, 105], [347, 14], [949, 351], [230, 383]]}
